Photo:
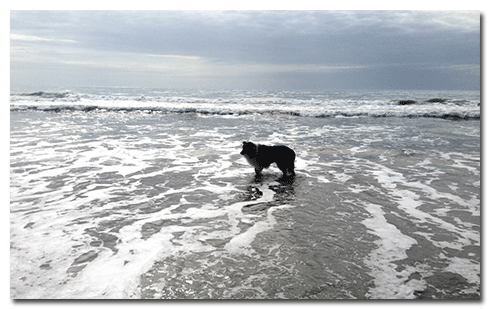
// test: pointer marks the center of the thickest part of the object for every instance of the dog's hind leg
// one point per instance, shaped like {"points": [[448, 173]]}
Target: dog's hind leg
{"points": [[291, 169], [287, 170]]}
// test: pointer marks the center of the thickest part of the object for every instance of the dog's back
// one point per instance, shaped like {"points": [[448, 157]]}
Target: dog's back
{"points": [[284, 158], [279, 154]]}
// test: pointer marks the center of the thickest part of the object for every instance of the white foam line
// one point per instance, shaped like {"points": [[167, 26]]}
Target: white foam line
{"points": [[472, 205], [409, 202], [392, 247], [117, 276], [241, 244]]}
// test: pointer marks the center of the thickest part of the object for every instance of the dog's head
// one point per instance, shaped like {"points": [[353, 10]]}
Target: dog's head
{"points": [[249, 149]]}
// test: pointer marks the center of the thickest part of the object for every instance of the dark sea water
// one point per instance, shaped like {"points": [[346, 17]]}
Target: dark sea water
{"points": [[142, 193]]}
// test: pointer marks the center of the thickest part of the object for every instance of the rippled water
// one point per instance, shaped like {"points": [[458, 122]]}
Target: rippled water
{"points": [[117, 204]]}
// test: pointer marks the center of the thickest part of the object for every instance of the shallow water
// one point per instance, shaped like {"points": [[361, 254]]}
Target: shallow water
{"points": [[117, 204]]}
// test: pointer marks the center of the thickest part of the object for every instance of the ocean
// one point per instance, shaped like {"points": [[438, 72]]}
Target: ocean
{"points": [[122, 193]]}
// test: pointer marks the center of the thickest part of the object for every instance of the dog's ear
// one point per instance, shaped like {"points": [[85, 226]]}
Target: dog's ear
{"points": [[244, 143]]}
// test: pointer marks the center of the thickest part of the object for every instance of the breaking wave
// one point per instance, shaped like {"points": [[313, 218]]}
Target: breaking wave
{"points": [[462, 106]]}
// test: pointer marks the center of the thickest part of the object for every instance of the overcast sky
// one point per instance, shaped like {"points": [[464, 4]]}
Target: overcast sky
{"points": [[326, 50]]}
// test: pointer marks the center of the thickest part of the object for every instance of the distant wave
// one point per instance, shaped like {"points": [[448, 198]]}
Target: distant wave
{"points": [[49, 95], [45, 94], [223, 111]]}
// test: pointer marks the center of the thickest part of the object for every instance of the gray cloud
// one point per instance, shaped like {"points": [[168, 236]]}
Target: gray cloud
{"points": [[318, 47]]}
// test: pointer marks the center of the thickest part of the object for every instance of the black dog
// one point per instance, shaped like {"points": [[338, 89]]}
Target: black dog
{"points": [[262, 156]]}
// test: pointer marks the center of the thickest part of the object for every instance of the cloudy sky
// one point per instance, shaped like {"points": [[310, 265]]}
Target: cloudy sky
{"points": [[329, 50]]}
